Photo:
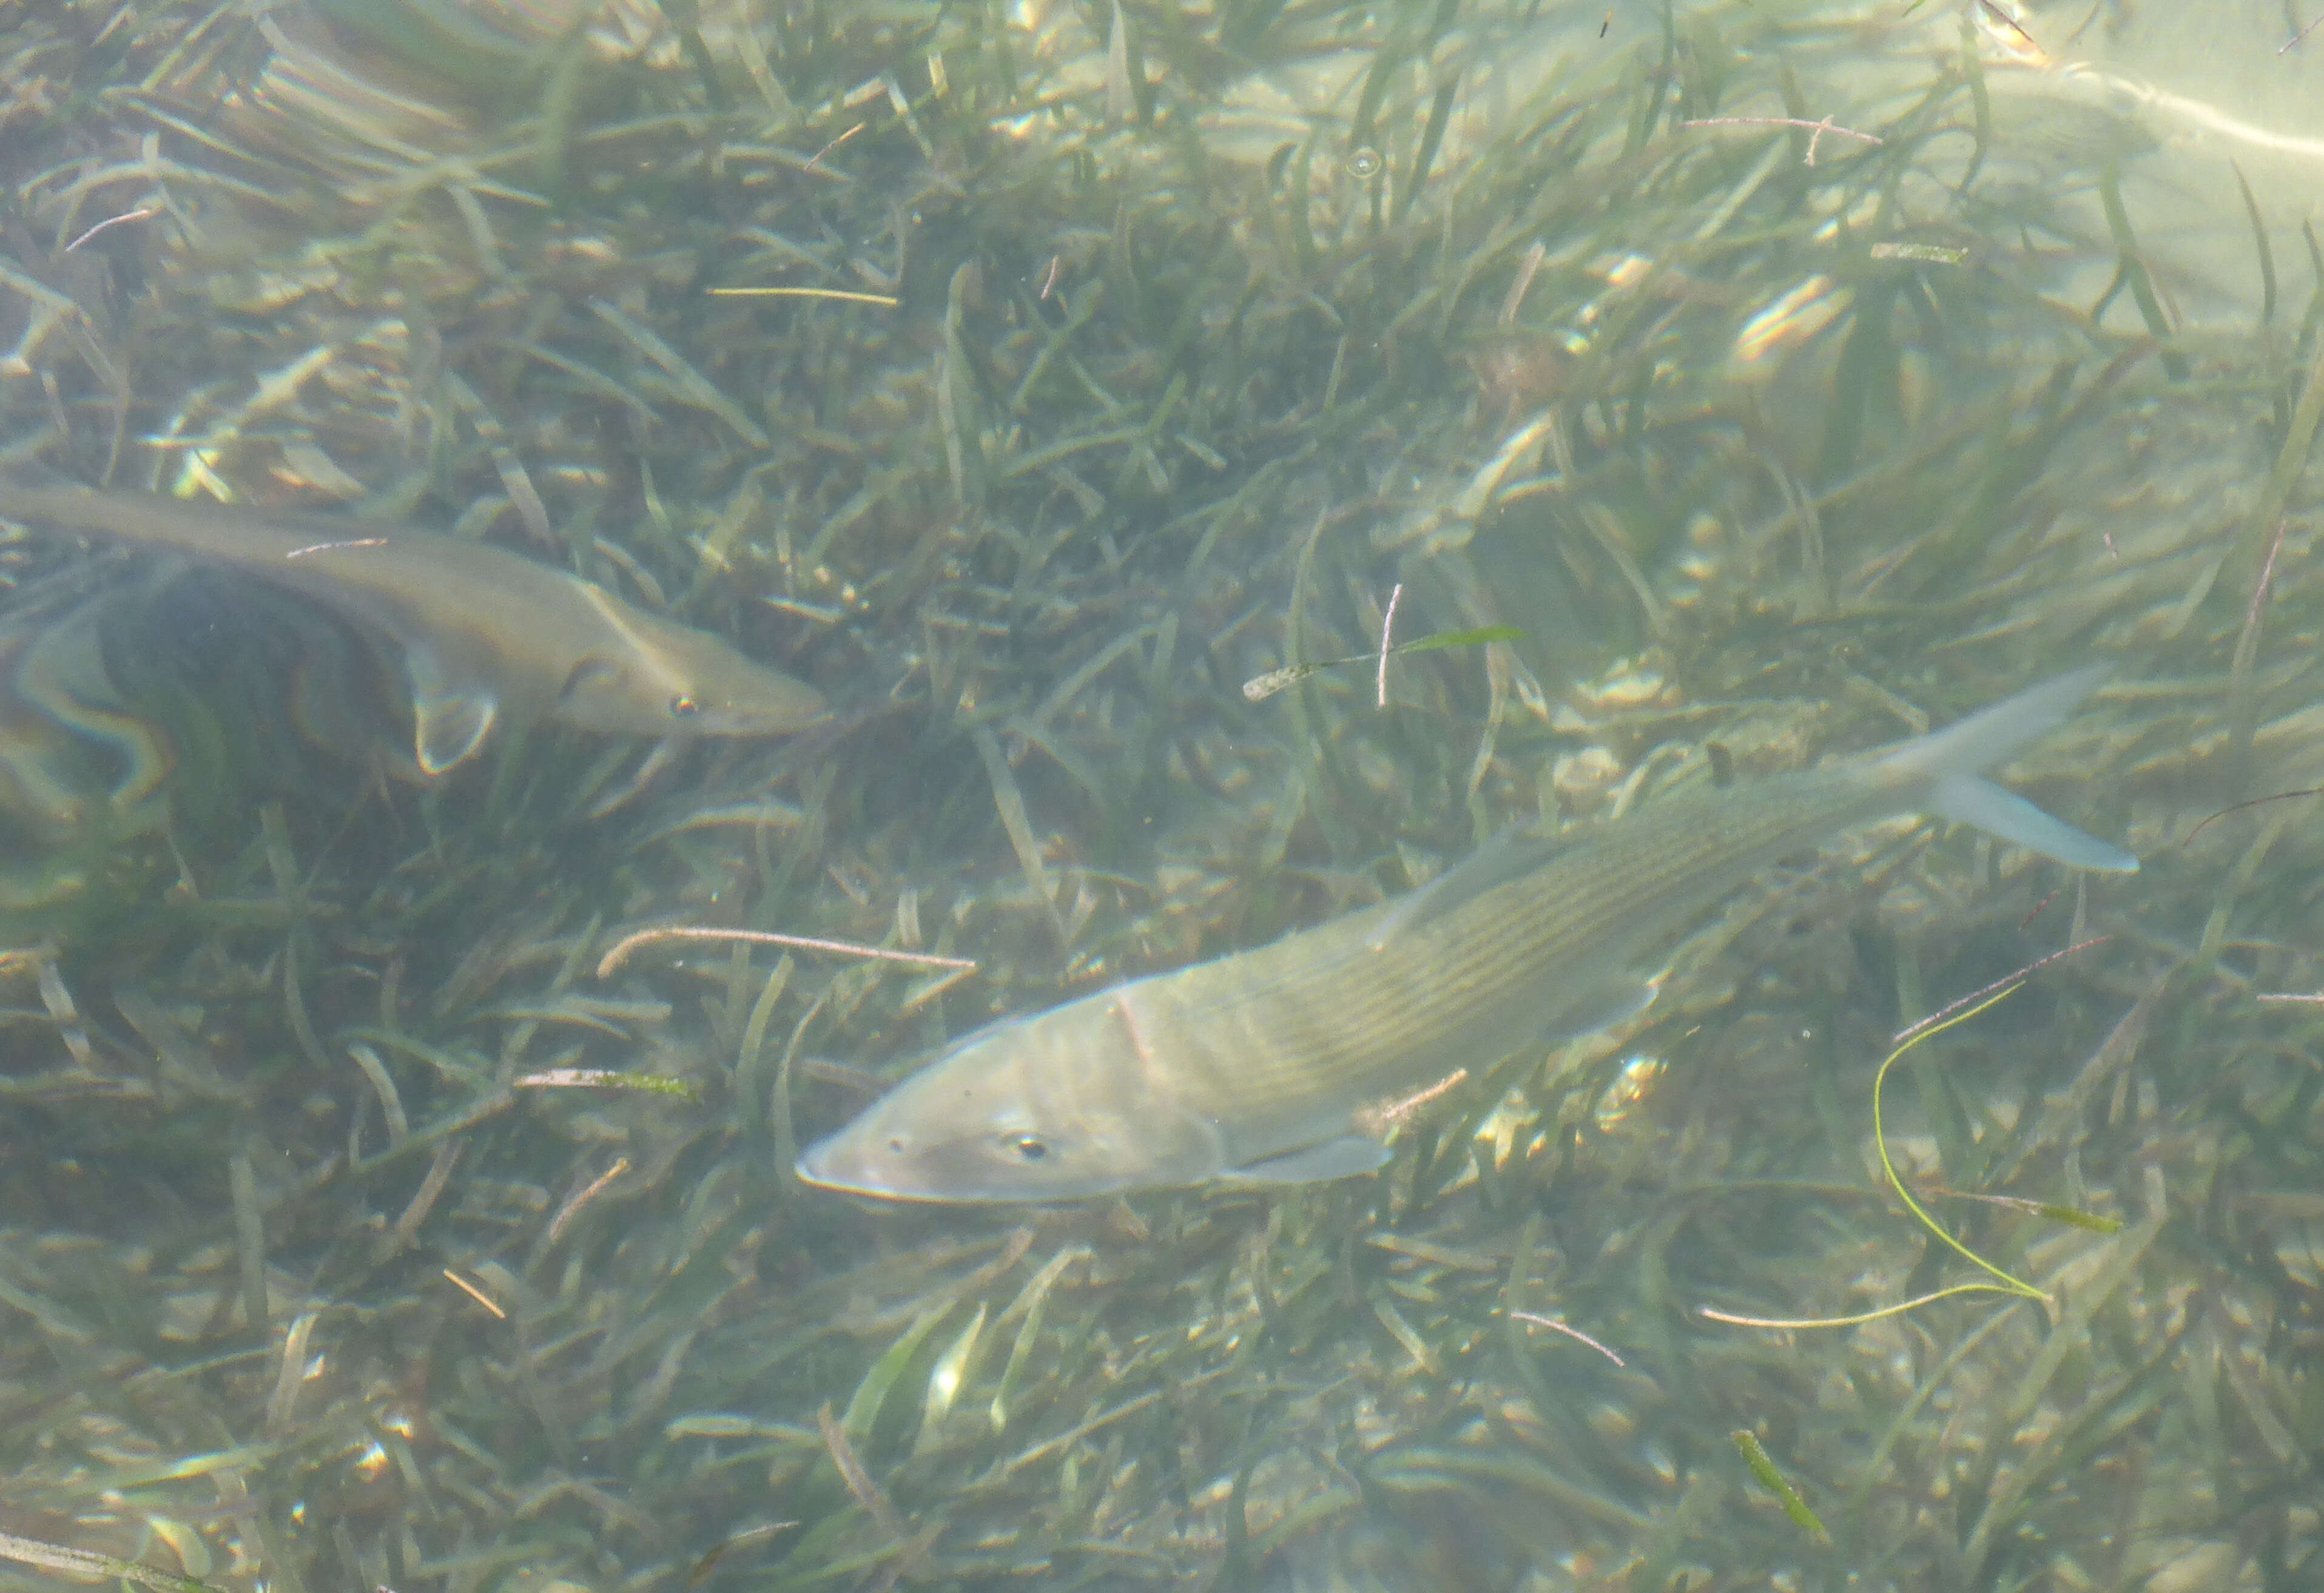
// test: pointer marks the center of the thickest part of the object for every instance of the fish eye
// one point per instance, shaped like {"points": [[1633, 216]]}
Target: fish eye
{"points": [[1026, 1147], [683, 706]]}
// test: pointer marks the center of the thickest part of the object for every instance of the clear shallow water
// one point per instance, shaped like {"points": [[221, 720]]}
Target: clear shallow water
{"points": [[331, 1258]]}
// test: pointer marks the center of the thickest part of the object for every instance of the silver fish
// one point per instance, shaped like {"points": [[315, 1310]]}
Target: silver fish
{"points": [[480, 634], [1270, 1066]]}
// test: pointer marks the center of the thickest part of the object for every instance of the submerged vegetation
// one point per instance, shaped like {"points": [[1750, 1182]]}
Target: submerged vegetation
{"points": [[383, 1204]]}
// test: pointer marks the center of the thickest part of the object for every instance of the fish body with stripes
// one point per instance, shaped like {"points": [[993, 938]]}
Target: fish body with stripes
{"points": [[1272, 1066]]}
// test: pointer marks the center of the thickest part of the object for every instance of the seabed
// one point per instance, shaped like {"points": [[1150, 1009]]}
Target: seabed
{"points": [[1731, 383]]}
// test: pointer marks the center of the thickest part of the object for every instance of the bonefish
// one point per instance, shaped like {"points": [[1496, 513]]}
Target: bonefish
{"points": [[1269, 1066], [481, 635]]}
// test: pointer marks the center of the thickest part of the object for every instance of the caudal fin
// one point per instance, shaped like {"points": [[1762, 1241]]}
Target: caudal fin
{"points": [[1941, 773]]}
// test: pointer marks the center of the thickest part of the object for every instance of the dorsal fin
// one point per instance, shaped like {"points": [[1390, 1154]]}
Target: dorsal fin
{"points": [[1512, 854]]}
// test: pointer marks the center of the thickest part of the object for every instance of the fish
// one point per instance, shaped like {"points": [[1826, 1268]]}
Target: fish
{"points": [[482, 636], [1275, 1066]]}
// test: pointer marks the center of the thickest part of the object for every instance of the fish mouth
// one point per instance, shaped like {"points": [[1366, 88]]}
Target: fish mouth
{"points": [[814, 1166], [824, 1165], [794, 709], [833, 1163], [756, 720]]}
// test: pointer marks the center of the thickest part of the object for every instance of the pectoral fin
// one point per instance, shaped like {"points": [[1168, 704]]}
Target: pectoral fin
{"points": [[1344, 1157], [1510, 855], [449, 719]]}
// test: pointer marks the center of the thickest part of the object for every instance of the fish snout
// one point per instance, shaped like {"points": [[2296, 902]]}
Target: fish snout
{"points": [[827, 1165], [867, 1159], [784, 706], [968, 1166]]}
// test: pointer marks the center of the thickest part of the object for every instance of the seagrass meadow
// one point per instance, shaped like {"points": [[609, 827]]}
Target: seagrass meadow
{"points": [[385, 1201]]}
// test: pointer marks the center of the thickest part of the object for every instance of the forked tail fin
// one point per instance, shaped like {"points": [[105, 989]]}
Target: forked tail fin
{"points": [[1941, 773]]}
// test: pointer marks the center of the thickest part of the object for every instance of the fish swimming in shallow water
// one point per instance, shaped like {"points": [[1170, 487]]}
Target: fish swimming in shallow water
{"points": [[482, 635], [1270, 1066]]}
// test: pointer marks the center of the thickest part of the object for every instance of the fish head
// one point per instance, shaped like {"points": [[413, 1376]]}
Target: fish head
{"points": [[1018, 1111], [644, 675]]}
